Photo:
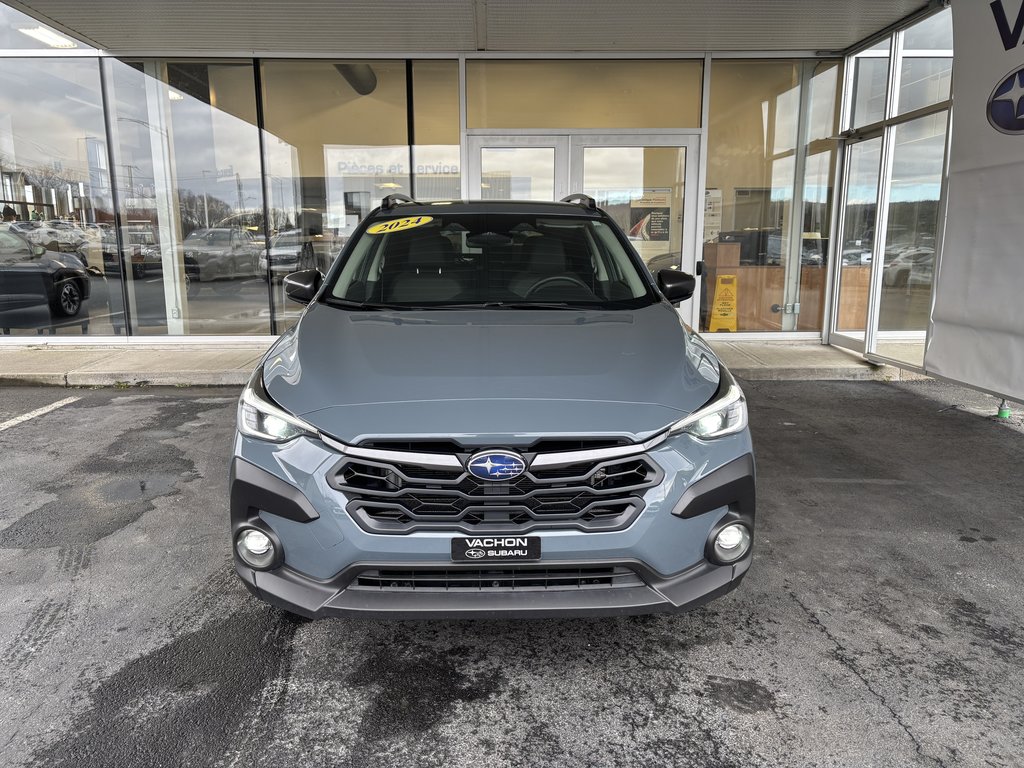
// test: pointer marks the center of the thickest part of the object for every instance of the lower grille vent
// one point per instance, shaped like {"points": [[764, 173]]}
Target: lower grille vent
{"points": [[496, 579]]}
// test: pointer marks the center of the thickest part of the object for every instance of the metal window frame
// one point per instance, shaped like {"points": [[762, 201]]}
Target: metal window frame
{"points": [[886, 129]]}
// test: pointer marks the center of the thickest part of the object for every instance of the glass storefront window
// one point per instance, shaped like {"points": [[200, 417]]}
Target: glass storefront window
{"points": [[926, 69], [56, 199], [336, 142], [933, 34], [753, 149], [583, 94], [435, 108], [187, 170], [870, 85]]}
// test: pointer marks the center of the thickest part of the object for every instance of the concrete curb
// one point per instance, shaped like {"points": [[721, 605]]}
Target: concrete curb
{"points": [[128, 379], [231, 365]]}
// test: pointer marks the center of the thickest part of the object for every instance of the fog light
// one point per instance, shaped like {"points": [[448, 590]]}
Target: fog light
{"points": [[255, 548], [732, 543]]}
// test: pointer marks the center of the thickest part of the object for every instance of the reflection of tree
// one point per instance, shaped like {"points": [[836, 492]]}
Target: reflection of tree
{"points": [[48, 177], [196, 210]]}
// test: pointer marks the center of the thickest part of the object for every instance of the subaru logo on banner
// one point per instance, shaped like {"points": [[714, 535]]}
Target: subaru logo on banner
{"points": [[1006, 104], [496, 465]]}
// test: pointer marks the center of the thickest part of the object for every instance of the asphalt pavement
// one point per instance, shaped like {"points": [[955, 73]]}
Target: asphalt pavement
{"points": [[882, 623]]}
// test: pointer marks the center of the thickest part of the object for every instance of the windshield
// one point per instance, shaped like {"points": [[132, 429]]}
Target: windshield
{"points": [[495, 259]]}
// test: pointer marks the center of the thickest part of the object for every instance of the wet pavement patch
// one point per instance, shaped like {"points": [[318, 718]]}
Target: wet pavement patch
{"points": [[414, 691], [746, 696], [179, 705], [103, 493]]}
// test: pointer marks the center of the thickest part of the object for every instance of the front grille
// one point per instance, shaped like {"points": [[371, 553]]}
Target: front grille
{"points": [[399, 498], [496, 579]]}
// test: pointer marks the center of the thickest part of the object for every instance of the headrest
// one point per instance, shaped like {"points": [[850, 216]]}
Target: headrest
{"points": [[431, 251], [547, 255]]}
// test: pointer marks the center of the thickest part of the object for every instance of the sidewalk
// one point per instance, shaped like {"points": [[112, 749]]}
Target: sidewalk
{"points": [[230, 365]]}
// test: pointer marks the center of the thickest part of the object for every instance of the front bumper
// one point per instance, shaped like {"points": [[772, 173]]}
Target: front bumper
{"points": [[342, 596], [331, 564]]}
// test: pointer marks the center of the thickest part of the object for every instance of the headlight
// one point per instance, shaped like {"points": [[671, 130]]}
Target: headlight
{"points": [[725, 415], [260, 417]]}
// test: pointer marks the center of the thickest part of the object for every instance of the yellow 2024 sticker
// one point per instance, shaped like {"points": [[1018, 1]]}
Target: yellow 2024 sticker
{"points": [[398, 225]]}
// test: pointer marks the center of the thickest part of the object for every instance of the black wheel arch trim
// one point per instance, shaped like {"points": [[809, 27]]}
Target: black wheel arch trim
{"points": [[732, 485], [254, 489]]}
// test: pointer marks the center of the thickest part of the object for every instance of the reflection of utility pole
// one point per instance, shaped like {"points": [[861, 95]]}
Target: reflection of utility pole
{"points": [[238, 180], [206, 203]]}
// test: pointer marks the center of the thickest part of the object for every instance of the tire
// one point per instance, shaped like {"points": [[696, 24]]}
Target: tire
{"points": [[138, 271], [69, 299], [191, 286]]}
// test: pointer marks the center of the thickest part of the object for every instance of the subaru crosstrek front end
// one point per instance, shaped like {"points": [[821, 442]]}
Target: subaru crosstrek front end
{"points": [[491, 409]]}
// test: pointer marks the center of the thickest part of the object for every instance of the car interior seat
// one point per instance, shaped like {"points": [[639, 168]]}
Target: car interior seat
{"points": [[428, 274]]}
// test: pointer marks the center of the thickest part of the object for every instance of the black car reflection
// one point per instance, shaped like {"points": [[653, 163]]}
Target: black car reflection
{"points": [[38, 287]]}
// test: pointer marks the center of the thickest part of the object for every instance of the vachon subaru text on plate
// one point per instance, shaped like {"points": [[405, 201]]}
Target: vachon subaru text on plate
{"points": [[491, 409]]}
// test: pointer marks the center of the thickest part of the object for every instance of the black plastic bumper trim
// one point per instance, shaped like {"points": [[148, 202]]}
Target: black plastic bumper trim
{"points": [[731, 485], [253, 489], [315, 599]]}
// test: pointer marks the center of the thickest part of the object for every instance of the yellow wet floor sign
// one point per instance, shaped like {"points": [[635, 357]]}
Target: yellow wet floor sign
{"points": [[723, 308]]}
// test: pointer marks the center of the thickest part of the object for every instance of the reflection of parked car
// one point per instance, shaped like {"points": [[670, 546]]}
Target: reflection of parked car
{"points": [[912, 266], [856, 255], [290, 251], [54, 235], [670, 260], [812, 249], [31, 277], [141, 256], [222, 253]]}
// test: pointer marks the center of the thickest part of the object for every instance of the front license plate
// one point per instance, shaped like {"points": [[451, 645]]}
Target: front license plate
{"points": [[495, 549]]}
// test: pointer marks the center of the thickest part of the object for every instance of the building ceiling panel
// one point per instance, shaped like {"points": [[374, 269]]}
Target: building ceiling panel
{"points": [[330, 27]]}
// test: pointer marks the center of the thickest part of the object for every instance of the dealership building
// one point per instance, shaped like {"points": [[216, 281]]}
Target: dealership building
{"points": [[190, 154]]}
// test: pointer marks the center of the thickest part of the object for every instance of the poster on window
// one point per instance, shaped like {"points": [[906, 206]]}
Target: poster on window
{"points": [[977, 324], [650, 216]]}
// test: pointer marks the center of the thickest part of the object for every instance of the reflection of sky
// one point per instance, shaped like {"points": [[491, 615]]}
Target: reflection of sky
{"points": [[532, 170], [51, 106], [215, 153]]}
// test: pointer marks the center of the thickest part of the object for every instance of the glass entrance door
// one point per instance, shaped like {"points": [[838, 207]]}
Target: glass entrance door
{"points": [[645, 182], [518, 167], [857, 246]]}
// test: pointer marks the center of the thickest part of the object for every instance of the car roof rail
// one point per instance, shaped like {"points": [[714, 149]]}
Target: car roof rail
{"points": [[392, 200], [585, 200]]}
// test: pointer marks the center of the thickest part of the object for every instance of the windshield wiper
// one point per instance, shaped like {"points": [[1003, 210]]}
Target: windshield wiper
{"points": [[369, 305]]}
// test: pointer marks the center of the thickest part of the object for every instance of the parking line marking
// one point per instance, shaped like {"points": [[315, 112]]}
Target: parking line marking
{"points": [[37, 412]]}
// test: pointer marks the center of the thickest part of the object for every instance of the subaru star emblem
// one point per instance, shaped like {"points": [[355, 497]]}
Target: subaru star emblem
{"points": [[496, 465], [1006, 104]]}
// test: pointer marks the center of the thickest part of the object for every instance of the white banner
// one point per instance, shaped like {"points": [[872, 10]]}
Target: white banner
{"points": [[977, 327]]}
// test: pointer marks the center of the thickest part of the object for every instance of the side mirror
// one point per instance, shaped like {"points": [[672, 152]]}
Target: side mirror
{"points": [[676, 286], [38, 250], [302, 286]]}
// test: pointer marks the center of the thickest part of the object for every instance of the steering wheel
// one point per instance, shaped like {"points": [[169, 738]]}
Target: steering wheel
{"points": [[546, 281]]}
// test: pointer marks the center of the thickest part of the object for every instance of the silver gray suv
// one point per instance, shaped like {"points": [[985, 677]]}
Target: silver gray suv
{"points": [[491, 409]]}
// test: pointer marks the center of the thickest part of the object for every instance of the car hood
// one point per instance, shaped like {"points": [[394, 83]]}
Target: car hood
{"points": [[507, 376]]}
